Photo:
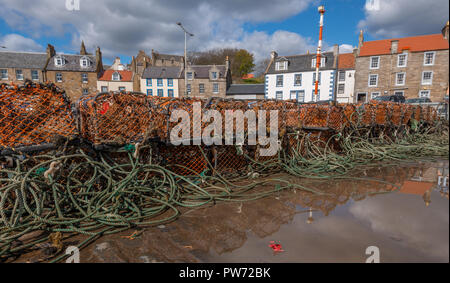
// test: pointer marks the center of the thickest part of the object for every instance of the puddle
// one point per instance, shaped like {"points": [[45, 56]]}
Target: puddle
{"points": [[403, 210]]}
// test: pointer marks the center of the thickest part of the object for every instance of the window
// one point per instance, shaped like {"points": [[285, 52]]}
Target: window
{"points": [[85, 91], [159, 82], [160, 92], [214, 75], [314, 78], [279, 80], [150, 92], [314, 97], [116, 76], [169, 82], [85, 62], [19, 75], [298, 79], [402, 60], [399, 92], [189, 75], [59, 77], [59, 61], [4, 74], [279, 95], [293, 95], [201, 88], [427, 78], [301, 96], [215, 88], [341, 88], [342, 76], [375, 62], [188, 88], [170, 92], [34, 75], [281, 66], [322, 62], [400, 79], [373, 80], [122, 88], [104, 89], [424, 93], [149, 82], [428, 58], [84, 78]]}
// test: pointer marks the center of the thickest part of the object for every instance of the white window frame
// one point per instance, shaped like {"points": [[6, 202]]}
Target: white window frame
{"points": [[378, 64], [375, 94], [35, 72], [4, 71], [188, 89], [404, 78], [282, 81], [201, 88], [406, 60], [301, 94], [214, 88], [60, 61], [84, 78], [277, 94], [61, 77], [214, 77], [431, 79], [368, 83], [19, 75], [190, 75], [281, 65], [85, 62], [293, 92], [343, 88], [116, 77], [314, 78], [322, 62], [427, 91], [341, 78], [103, 89], [85, 91], [295, 79], [425, 58]]}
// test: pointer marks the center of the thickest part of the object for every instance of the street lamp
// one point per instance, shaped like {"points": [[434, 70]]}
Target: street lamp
{"points": [[185, 55]]}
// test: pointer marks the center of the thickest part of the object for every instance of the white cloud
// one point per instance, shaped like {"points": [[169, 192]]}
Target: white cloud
{"points": [[16, 42], [402, 18], [123, 27]]}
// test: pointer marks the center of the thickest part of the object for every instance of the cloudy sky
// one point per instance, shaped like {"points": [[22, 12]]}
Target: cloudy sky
{"points": [[121, 28]]}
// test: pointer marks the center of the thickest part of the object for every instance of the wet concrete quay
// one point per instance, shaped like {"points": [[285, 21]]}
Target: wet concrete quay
{"points": [[408, 221]]}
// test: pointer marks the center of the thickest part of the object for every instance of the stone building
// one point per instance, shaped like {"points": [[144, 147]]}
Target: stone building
{"points": [[206, 81], [166, 60], [75, 73], [415, 66], [16, 67]]}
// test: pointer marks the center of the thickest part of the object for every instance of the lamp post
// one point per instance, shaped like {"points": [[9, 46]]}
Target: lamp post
{"points": [[185, 55], [321, 10]]}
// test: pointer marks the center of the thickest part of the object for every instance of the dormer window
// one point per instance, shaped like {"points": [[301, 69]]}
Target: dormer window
{"points": [[60, 61], [214, 75], [85, 62], [281, 65], [190, 75], [322, 62], [116, 76]]}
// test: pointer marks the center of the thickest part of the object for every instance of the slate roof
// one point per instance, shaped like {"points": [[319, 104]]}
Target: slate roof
{"points": [[202, 71], [246, 89], [414, 44], [125, 76], [302, 63], [26, 60], [73, 63], [156, 72]]}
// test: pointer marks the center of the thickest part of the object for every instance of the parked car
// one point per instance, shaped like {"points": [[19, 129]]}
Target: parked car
{"points": [[392, 98], [418, 100]]}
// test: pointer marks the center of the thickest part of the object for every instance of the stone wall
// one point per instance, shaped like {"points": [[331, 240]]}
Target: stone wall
{"points": [[26, 75], [72, 83], [195, 88]]}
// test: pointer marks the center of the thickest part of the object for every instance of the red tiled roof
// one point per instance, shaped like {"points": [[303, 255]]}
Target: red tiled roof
{"points": [[413, 44], [346, 61], [125, 76]]}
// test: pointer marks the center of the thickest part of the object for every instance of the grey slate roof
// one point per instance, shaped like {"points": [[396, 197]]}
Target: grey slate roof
{"points": [[162, 73], [202, 71], [246, 89], [73, 63], [302, 63], [26, 60]]}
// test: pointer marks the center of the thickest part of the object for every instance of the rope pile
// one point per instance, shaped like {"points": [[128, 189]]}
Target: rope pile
{"points": [[113, 169]]}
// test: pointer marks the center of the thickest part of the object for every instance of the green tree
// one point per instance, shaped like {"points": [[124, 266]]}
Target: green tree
{"points": [[245, 60]]}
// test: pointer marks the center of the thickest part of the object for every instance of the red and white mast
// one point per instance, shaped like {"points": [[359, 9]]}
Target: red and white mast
{"points": [[319, 49]]}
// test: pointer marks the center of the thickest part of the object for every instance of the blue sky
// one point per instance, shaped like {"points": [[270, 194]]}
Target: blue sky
{"points": [[121, 28]]}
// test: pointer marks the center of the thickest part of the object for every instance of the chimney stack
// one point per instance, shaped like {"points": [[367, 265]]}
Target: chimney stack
{"points": [[50, 51], [273, 55], [98, 58], [83, 49], [361, 42], [335, 55], [445, 31]]}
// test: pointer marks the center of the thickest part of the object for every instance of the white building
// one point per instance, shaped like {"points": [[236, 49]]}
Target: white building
{"points": [[116, 78], [346, 78], [161, 81], [293, 77]]}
